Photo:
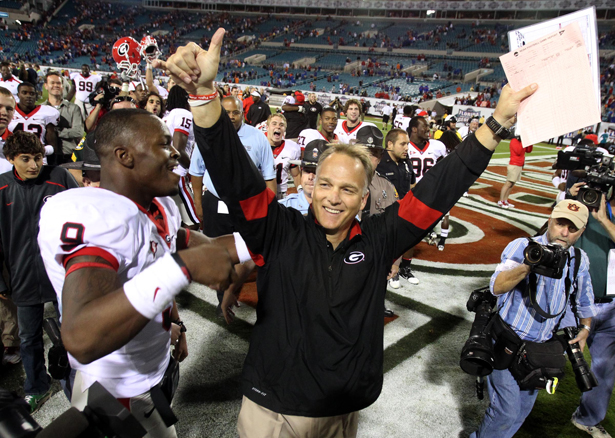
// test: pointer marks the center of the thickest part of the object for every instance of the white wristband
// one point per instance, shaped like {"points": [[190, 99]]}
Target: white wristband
{"points": [[49, 150], [151, 290], [241, 248], [198, 102]]}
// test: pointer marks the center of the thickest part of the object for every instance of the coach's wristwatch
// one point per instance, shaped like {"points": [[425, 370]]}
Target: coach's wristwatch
{"points": [[586, 327], [497, 129]]}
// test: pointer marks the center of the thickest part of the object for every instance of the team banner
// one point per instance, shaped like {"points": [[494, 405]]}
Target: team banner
{"points": [[463, 113]]}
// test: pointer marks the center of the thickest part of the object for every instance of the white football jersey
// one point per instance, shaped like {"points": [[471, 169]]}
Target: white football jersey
{"points": [[346, 134], [424, 159], [288, 150], [180, 120], [262, 127], [307, 135], [36, 121], [162, 92], [5, 166], [11, 85], [401, 122], [84, 86], [95, 221]]}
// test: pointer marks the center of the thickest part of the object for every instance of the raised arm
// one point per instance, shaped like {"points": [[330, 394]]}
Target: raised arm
{"points": [[252, 206]]}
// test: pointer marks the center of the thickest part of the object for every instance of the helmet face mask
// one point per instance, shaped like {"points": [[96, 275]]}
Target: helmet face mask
{"points": [[149, 48], [126, 53]]}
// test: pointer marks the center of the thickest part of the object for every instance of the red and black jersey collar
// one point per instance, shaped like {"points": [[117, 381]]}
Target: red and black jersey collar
{"points": [[6, 134], [325, 137], [30, 114], [278, 149], [345, 127], [421, 150], [162, 224], [355, 228]]}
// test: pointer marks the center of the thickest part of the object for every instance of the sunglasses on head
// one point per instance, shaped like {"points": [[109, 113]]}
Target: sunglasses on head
{"points": [[119, 99]]}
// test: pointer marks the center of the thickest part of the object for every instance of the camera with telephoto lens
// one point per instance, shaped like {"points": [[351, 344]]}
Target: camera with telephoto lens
{"points": [[477, 357], [597, 168], [547, 260], [581, 157], [109, 91], [582, 372], [103, 416], [600, 178]]}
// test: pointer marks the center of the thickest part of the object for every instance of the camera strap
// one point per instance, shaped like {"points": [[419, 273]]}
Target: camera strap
{"points": [[533, 281]]}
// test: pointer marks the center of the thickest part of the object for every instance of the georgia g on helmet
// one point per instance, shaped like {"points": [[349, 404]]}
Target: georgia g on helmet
{"points": [[126, 55], [149, 48]]}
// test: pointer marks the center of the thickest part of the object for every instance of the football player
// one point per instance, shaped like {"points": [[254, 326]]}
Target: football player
{"points": [[346, 130], [7, 109], [283, 152], [118, 257], [179, 121], [328, 123], [41, 120], [402, 121], [7, 80], [424, 153], [83, 84]]}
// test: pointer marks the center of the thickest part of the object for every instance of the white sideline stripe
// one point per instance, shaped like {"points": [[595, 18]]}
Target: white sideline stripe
{"points": [[462, 266]]}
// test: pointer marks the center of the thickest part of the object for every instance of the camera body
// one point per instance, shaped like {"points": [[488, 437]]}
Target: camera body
{"points": [[600, 171], [600, 179], [547, 260], [580, 158], [477, 356], [109, 92]]}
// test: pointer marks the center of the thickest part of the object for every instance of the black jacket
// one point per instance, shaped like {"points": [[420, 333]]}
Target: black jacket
{"points": [[317, 345], [400, 174], [20, 208]]}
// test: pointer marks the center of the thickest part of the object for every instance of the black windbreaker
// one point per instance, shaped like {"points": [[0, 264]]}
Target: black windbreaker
{"points": [[20, 208], [317, 346]]}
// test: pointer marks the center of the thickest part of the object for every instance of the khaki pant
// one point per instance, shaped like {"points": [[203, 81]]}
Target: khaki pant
{"points": [[8, 323], [141, 406], [513, 173], [256, 421]]}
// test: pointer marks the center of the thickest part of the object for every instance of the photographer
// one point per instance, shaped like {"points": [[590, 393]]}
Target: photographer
{"points": [[101, 99], [596, 242], [510, 404]]}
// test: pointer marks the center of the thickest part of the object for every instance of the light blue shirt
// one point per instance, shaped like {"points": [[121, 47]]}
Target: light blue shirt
{"points": [[298, 201], [515, 307], [258, 148]]}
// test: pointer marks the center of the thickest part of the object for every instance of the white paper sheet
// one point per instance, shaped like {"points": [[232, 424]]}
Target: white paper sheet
{"points": [[565, 100]]}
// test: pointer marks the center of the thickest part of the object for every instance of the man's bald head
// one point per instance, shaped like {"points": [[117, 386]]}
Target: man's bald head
{"points": [[234, 109], [119, 127]]}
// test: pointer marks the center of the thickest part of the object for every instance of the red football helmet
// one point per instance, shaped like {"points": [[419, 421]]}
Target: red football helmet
{"points": [[149, 48], [126, 54]]}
